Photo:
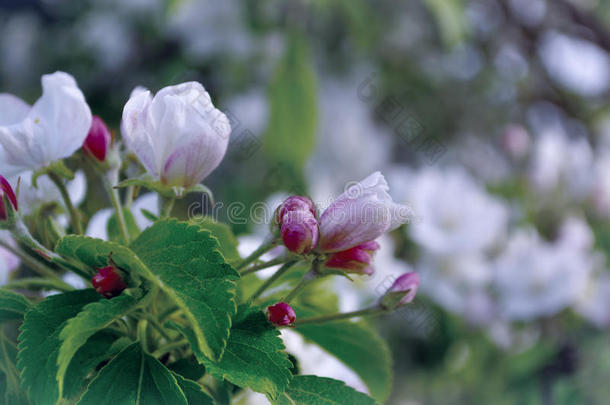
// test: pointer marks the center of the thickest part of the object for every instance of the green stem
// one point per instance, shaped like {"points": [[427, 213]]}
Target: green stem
{"points": [[38, 283], [307, 278], [158, 327], [168, 313], [74, 217], [129, 196], [168, 204], [340, 316], [34, 264], [270, 263], [272, 279], [22, 234], [262, 249], [116, 204], [168, 348], [141, 331]]}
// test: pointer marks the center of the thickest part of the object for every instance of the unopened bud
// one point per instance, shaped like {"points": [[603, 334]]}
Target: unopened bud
{"points": [[281, 314], [401, 292], [8, 199], [108, 281], [295, 203], [98, 140], [299, 231], [355, 260]]}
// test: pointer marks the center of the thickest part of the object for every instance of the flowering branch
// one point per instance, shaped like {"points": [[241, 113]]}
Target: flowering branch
{"points": [[272, 279], [262, 249], [376, 310], [262, 266]]}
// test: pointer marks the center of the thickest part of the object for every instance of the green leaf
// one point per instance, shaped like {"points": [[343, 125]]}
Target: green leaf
{"points": [[114, 231], [10, 391], [39, 342], [254, 356], [134, 377], [12, 305], [356, 345], [98, 348], [95, 253], [93, 318], [188, 367], [449, 15], [314, 390], [195, 394], [290, 135], [185, 262], [226, 239]]}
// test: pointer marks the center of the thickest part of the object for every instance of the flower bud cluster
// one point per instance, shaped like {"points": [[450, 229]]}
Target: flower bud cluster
{"points": [[298, 224]]}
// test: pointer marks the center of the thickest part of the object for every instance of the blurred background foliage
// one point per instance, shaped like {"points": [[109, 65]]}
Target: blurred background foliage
{"points": [[317, 93]]}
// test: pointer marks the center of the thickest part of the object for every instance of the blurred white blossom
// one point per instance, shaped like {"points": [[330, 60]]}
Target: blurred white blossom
{"points": [[535, 278], [455, 213]]}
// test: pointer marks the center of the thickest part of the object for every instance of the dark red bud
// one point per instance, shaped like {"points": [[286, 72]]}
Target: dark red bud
{"points": [[358, 259], [99, 139], [281, 314], [299, 231], [108, 282], [6, 190]]}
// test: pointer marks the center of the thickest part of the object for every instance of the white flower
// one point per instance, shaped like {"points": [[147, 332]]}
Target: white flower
{"points": [[535, 278], [460, 284], [361, 214], [178, 134], [561, 162], [455, 214], [52, 129], [594, 303], [31, 198]]}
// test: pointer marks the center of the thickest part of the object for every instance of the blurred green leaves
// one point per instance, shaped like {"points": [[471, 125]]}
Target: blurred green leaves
{"points": [[290, 135]]}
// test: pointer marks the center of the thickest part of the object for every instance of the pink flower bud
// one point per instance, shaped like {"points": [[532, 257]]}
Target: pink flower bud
{"points": [[362, 213], [6, 190], [402, 291], [281, 314], [108, 282], [295, 203], [354, 260], [299, 231], [98, 140]]}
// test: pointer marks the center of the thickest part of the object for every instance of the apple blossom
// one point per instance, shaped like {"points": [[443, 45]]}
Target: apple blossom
{"points": [[52, 129], [178, 135], [362, 213]]}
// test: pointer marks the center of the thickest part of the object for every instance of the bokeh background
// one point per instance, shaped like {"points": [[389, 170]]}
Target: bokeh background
{"points": [[489, 117]]}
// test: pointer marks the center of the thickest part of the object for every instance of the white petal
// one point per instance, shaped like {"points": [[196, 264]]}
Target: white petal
{"points": [[54, 128], [12, 109], [148, 202], [97, 224], [138, 126]]}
